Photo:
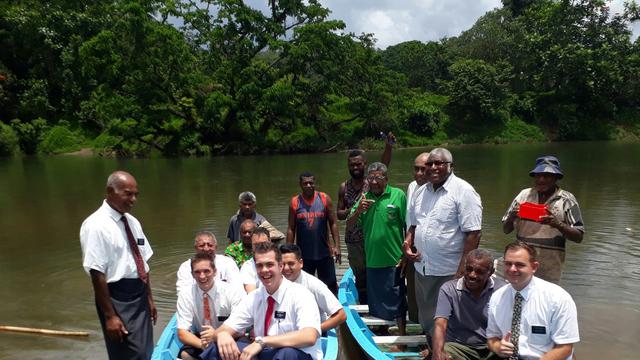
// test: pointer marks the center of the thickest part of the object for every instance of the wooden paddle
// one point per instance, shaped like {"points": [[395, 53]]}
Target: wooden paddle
{"points": [[42, 331]]}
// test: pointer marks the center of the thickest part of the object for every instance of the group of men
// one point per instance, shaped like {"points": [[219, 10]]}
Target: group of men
{"points": [[263, 300]]}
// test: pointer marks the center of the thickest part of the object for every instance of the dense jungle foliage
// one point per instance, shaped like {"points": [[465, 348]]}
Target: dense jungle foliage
{"points": [[178, 77]]}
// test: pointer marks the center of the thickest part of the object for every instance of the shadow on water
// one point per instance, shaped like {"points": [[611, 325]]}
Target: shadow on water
{"points": [[44, 201]]}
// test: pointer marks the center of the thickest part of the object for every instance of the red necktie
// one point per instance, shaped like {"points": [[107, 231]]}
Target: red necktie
{"points": [[207, 309], [267, 318], [136, 252]]}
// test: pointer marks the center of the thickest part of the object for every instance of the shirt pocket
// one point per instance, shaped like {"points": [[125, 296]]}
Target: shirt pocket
{"points": [[392, 213]]}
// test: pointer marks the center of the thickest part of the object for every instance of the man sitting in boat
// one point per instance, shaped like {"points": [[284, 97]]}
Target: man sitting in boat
{"points": [[461, 314], [248, 273], [240, 251], [381, 211], [227, 270], [284, 316], [247, 211], [203, 308], [530, 318], [331, 312]]}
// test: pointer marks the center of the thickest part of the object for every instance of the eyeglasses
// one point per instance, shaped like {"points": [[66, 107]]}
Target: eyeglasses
{"points": [[376, 178], [437, 163]]}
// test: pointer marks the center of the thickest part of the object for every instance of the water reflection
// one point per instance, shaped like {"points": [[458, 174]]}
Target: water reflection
{"points": [[44, 200]]}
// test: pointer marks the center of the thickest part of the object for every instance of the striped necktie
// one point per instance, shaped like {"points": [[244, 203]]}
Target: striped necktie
{"points": [[135, 251]]}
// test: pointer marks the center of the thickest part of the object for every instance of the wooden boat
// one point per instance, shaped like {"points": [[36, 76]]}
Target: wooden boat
{"points": [[169, 345], [373, 346]]}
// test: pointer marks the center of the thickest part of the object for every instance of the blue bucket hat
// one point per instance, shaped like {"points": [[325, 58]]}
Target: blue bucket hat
{"points": [[547, 164]]}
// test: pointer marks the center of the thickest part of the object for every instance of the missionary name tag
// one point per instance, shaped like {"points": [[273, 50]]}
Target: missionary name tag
{"points": [[538, 330], [222, 318], [280, 315], [140, 241]]}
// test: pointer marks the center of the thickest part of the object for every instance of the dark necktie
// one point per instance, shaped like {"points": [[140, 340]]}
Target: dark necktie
{"points": [[207, 309], [269, 314], [135, 251], [515, 325]]}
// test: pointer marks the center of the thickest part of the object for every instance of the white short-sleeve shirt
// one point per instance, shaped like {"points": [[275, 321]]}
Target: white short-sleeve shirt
{"points": [[249, 274], [223, 298], [328, 304], [548, 317], [105, 246], [226, 271], [295, 309], [441, 218]]}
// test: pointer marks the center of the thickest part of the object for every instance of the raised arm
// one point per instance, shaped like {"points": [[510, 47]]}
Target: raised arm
{"points": [[335, 234], [389, 140], [341, 210]]}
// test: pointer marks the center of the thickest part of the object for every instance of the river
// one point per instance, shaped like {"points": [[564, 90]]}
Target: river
{"points": [[43, 201]]}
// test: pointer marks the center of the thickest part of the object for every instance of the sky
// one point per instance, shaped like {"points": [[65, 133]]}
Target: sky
{"points": [[396, 21]]}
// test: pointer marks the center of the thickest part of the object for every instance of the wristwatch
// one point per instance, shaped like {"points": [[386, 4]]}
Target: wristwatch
{"points": [[260, 341]]}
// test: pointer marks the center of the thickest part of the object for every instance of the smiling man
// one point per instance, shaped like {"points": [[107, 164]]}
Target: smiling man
{"points": [[563, 220], [204, 307], [311, 221], [381, 213], [226, 269], [115, 252], [461, 315], [284, 316], [445, 217], [530, 318], [331, 312]]}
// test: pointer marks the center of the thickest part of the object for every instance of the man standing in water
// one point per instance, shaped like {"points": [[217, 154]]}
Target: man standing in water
{"points": [[549, 233], [348, 194], [115, 252]]}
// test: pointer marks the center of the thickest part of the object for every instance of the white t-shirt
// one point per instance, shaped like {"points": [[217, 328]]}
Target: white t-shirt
{"points": [[223, 298], [548, 317], [295, 309], [226, 271], [105, 246], [328, 304], [441, 218]]}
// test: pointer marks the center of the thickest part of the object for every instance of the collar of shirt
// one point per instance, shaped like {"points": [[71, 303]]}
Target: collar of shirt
{"points": [[489, 285], [210, 293], [386, 192], [278, 295], [526, 292], [445, 186], [113, 213]]}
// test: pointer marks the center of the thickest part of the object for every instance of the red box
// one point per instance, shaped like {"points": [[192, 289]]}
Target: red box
{"points": [[532, 211]]}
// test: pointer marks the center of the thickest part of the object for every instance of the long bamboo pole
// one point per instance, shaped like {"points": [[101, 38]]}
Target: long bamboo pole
{"points": [[42, 331]]}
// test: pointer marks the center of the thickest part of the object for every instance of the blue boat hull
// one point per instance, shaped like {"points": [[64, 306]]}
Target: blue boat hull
{"points": [[169, 345], [348, 295]]}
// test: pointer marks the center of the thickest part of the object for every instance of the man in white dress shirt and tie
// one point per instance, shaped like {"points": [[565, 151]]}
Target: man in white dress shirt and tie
{"points": [[203, 309], [530, 318], [284, 316]]}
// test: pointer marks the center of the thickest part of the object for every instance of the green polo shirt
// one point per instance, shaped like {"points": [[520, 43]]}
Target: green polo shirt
{"points": [[383, 226]]}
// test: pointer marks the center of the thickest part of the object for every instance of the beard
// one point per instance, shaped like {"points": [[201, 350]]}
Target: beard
{"points": [[356, 174]]}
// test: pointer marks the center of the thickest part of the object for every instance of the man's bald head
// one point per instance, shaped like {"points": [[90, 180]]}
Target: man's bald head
{"points": [[122, 191], [420, 168]]}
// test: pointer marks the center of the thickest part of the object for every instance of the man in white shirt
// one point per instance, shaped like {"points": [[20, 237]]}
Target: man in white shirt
{"points": [[115, 252], [530, 318], [205, 307], [283, 314], [419, 179], [331, 312], [227, 270], [248, 273], [445, 217]]}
